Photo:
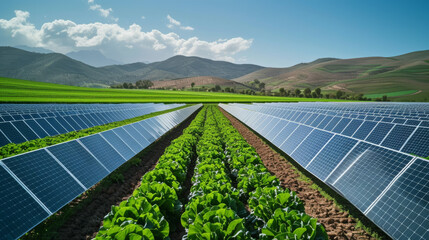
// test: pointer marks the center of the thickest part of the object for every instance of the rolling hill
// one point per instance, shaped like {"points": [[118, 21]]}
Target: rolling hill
{"points": [[58, 68], [207, 81], [408, 73]]}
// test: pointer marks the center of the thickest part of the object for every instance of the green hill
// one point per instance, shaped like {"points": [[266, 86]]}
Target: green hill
{"points": [[403, 78], [58, 68]]}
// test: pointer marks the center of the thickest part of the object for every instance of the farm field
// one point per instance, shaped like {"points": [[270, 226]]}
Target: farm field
{"points": [[16, 90]]}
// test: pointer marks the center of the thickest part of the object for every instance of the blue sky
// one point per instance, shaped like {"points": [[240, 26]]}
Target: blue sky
{"points": [[269, 33]]}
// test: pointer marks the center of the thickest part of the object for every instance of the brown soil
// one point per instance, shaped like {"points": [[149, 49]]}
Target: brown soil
{"points": [[339, 225], [87, 221]]}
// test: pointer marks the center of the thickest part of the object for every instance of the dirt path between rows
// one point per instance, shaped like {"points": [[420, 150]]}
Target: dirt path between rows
{"points": [[338, 224], [87, 221]]}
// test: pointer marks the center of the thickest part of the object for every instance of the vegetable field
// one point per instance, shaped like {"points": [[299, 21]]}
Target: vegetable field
{"points": [[228, 176]]}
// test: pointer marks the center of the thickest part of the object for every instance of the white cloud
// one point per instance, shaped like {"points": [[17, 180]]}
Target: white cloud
{"points": [[105, 12], [124, 44], [174, 23]]}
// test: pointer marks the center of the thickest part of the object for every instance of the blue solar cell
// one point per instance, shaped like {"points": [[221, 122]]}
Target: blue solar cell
{"points": [[72, 123], [25, 130], [11, 133], [352, 127], [137, 136], [403, 211], [325, 122], [65, 124], [284, 134], [332, 123], [412, 122], [45, 178], [295, 138], [54, 123], [79, 162], [424, 124], [300, 117], [364, 130], [418, 143], [17, 117], [119, 145], [7, 118], [318, 120], [47, 127], [366, 172], [398, 136], [86, 121], [149, 136], [103, 151], [79, 121], [330, 156], [399, 120], [155, 126], [341, 125], [276, 129], [379, 133], [3, 139], [128, 139], [19, 212], [311, 118], [311, 146]]}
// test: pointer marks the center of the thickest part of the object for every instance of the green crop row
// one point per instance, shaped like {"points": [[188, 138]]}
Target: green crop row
{"points": [[276, 213], [151, 209], [214, 210]]}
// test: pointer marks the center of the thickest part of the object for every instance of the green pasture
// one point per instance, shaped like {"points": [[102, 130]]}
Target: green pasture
{"points": [[17, 90]]}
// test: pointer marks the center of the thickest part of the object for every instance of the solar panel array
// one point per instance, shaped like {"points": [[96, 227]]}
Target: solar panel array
{"points": [[370, 153], [20, 123], [36, 184]]}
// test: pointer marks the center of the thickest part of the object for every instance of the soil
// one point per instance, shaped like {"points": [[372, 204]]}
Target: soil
{"points": [[338, 225], [87, 221]]}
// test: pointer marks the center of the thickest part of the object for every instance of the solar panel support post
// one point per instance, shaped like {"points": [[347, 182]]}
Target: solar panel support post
{"points": [[25, 188]]}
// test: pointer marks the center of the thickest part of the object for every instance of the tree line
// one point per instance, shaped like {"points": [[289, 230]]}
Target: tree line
{"points": [[141, 84]]}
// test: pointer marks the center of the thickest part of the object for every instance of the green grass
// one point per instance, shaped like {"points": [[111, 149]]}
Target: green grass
{"points": [[391, 94], [341, 68], [16, 90]]}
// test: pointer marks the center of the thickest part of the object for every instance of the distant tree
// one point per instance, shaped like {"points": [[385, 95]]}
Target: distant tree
{"points": [[232, 90], [314, 95], [125, 85], [384, 98], [307, 92], [192, 85], [339, 94], [217, 88], [261, 86], [282, 92], [144, 84], [227, 89], [256, 81], [318, 91], [297, 92]]}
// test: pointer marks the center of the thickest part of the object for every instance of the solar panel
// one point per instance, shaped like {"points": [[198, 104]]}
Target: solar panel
{"points": [[11, 133], [136, 135], [79, 162], [127, 138], [103, 151], [418, 143], [25, 130], [119, 145], [65, 124], [310, 146], [54, 123], [19, 212], [3, 139], [45, 178], [398, 136], [373, 173], [47, 127], [403, 210], [330, 156], [295, 139], [144, 132], [72, 123]]}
